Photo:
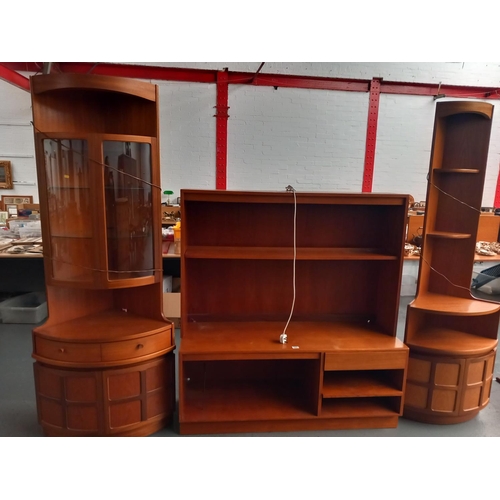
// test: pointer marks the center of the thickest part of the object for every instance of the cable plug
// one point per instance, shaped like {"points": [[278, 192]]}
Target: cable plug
{"points": [[283, 338], [289, 188]]}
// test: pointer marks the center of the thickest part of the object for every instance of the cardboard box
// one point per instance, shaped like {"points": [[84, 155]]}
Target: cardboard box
{"points": [[172, 307]]}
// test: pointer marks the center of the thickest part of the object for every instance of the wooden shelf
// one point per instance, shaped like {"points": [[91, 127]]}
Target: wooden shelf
{"points": [[264, 400], [359, 407], [281, 253], [456, 171], [255, 338], [448, 235], [456, 306], [357, 384], [115, 323], [452, 342]]}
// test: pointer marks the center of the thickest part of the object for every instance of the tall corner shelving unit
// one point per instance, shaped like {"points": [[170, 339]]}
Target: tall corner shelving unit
{"points": [[104, 357], [343, 366], [452, 336]]}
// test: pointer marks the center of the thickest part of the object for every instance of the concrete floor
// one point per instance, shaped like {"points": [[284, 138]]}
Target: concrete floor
{"points": [[18, 409]]}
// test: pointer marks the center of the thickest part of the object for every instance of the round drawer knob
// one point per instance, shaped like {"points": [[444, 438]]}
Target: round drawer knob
{"points": [[62, 349], [140, 346]]}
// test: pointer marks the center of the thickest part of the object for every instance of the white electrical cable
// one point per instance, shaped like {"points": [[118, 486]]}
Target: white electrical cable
{"points": [[283, 336]]}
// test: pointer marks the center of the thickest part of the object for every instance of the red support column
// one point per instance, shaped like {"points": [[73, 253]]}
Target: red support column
{"points": [[496, 203], [221, 117], [371, 135]]}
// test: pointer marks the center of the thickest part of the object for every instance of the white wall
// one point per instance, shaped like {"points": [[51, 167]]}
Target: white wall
{"points": [[187, 136], [16, 139], [311, 139]]}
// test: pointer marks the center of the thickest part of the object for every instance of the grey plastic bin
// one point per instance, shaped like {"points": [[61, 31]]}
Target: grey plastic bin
{"points": [[28, 308]]}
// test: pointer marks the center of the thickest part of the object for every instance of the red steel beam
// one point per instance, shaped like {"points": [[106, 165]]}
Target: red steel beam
{"points": [[262, 79], [425, 89], [299, 82], [141, 71], [371, 135], [15, 78], [221, 116]]}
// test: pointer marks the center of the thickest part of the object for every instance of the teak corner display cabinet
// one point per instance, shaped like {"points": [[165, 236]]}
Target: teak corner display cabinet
{"points": [[104, 357], [452, 336], [343, 366]]}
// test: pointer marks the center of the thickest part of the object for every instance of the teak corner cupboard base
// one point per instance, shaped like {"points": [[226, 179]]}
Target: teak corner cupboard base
{"points": [[343, 367]]}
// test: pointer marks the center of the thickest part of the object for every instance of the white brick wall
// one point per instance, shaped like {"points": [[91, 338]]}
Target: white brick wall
{"points": [[404, 136], [312, 139], [187, 136]]}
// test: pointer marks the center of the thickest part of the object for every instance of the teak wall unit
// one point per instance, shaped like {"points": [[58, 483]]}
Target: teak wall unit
{"points": [[104, 357], [451, 335], [343, 366]]}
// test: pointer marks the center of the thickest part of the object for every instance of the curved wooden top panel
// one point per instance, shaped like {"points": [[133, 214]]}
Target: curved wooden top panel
{"points": [[456, 107], [60, 81]]}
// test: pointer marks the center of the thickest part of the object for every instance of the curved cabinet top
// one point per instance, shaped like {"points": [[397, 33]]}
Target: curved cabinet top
{"points": [[48, 83], [457, 107]]}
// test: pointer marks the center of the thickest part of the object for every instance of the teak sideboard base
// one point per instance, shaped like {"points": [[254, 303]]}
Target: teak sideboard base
{"points": [[332, 375]]}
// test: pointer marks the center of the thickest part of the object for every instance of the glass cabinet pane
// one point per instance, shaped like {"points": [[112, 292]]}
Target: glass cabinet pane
{"points": [[68, 194], [129, 215]]}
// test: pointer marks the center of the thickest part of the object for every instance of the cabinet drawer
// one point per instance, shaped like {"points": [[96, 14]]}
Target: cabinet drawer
{"points": [[67, 351], [129, 349], [366, 360]]}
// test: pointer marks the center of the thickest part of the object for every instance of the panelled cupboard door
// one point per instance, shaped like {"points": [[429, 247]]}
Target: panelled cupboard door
{"points": [[105, 402]]}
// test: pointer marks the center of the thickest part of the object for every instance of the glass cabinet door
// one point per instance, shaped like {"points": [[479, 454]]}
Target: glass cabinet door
{"points": [[69, 209], [129, 215]]}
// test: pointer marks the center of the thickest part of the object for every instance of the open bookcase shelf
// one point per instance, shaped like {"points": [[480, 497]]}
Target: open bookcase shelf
{"points": [[237, 293], [451, 335]]}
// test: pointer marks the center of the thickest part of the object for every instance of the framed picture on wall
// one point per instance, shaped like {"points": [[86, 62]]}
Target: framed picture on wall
{"points": [[5, 175], [14, 200]]}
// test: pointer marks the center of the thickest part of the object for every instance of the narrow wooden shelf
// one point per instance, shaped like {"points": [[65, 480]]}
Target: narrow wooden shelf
{"points": [[286, 253], [455, 306], [456, 170], [448, 235], [357, 384], [358, 407], [451, 342]]}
